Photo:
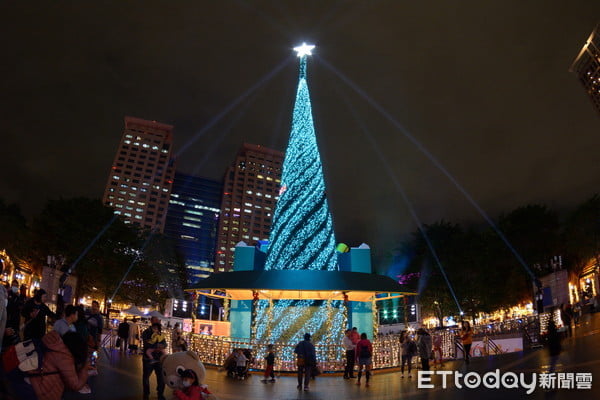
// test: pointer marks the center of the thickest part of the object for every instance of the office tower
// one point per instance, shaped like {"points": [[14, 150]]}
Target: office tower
{"points": [[192, 222], [250, 190], [587, 67], [140, 180]]}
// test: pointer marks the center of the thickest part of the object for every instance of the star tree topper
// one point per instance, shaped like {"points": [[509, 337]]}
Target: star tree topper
{"points": [[304, 49]]}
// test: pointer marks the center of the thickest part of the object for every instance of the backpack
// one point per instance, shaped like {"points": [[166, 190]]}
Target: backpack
{"points": [[25, 356], [19, 361], [364, 352]]}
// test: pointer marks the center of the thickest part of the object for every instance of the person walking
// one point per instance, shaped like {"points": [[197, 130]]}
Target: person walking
{"points": [[306, 361], [364, 354], [466, 335], [150, 365], [409, 350], [270, 360], [123, 333], [350, 348], [424, 346]]}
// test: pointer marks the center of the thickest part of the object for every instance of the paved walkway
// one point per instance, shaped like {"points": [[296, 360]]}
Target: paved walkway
{"points": [[120, 378]]}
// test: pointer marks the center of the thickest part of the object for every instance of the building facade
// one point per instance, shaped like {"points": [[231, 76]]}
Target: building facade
{"points": [[141, 176], [250, 191], [192, 221], [587, 67]]}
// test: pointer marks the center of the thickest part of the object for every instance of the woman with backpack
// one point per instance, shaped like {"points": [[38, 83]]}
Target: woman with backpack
{"points": [[364, 354], [64, 365], [409, 350]]}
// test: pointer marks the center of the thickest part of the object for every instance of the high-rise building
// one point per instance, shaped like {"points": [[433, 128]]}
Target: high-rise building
{"points": [[192, 222], [250, 191], [140, 180], [587, 67]]}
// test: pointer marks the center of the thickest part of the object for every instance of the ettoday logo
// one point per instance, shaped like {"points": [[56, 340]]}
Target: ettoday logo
{"points": [[507, 380]]}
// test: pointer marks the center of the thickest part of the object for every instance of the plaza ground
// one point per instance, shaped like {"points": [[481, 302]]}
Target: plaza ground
{"points": [[120, 377]]}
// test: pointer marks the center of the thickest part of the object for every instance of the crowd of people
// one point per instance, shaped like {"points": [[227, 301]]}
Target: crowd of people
{"points": [[71, 345], [60, 358]]}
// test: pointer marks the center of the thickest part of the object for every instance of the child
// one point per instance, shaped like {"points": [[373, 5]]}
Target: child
{"points": [[240, 360], [191, 388], [270, 364], [156, 343]]}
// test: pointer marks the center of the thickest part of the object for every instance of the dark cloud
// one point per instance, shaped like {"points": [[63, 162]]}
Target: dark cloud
{"points": [[483, 85]]}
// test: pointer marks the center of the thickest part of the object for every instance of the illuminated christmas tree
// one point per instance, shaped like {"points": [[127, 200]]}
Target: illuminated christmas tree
{"points": [[302, 234]]}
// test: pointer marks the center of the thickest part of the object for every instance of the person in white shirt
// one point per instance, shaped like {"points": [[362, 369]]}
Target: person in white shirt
{"points": [[65, 324], [350, 348]]}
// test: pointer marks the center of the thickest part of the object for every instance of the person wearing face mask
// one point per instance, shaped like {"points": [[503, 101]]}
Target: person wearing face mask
{"points": [[191, 388], [16, 301]]}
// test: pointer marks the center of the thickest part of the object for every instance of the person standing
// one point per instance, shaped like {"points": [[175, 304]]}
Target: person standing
{"points": [[437, 350], [306, 361], [177, 341], [554, 346], [566, 314], [350, 348], [95, 325], [364, 354], [16, 301], [150, 365], [354, 335], [81, 325], [3, 310], [35, 312], [409, 350], [65, 324], [424, 347], [134, 336], [123, 333], [466, 335]]}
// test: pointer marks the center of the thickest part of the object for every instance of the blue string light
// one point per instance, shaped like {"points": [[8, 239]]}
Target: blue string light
{"points": [[302, 234]]}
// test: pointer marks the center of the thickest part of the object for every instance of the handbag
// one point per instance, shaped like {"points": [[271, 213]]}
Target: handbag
{"points": [[300, 362]]}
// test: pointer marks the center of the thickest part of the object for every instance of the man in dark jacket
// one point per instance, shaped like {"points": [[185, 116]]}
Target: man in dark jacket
{"points": [[123, 332], [35, 312], [307, 360], [150, 365], [95, 324], [424, 345]]}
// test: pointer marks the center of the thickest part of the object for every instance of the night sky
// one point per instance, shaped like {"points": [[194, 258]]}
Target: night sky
{"points": [[484, 86]]}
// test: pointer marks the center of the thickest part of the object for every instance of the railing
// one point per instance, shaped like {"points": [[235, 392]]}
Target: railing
{"points": [[492, 346], [531, 333], [214, 350]]}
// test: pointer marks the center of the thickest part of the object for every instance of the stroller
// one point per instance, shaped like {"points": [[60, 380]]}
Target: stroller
{"points": [[237, 356], [230, 364], [244, 372]]}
